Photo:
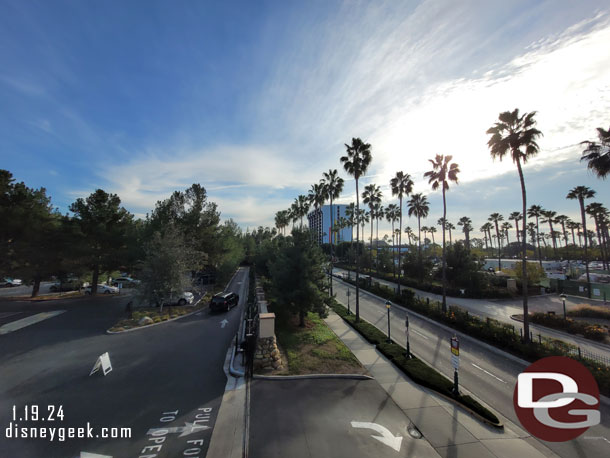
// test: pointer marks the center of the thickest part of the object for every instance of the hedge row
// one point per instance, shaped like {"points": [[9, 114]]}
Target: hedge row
{"points": [[414, 368], [589, 330], [496, 333]]}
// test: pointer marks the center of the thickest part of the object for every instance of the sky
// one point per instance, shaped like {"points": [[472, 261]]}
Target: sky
{"points": [[255, 100]]}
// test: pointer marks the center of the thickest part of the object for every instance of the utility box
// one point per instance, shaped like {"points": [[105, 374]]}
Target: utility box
{"points": [[267, 325], [511, 285]]}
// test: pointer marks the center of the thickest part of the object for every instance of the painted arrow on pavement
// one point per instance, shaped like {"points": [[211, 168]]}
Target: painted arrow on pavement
{"points": [[223, 323], [93, 455], [188, 428], [386, 437]]}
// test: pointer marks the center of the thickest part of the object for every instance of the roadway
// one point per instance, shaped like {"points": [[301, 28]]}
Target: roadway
{"points": [[488, 373], [503, 309], [166, 384]]}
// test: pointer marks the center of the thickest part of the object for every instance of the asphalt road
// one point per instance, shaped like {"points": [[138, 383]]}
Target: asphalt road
{"points": [[503, 309], [487, 374], [165, 379], [25, 290], [313, 419]]}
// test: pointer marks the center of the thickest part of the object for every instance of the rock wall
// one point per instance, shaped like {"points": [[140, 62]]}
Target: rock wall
{"points": [[267, 355]]}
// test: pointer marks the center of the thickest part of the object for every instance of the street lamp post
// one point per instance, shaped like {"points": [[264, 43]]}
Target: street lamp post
{"points": [[388, 305], [407, 332], [563, 298]]}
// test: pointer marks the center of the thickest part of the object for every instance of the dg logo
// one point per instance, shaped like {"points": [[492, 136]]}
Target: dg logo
{"points": [[556, 399]]}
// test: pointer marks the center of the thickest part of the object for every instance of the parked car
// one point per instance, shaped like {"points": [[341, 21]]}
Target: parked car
{"points": [[103, 289], [180, 299], [224, 301], [71, 284], [8, 282], [126, 282]]}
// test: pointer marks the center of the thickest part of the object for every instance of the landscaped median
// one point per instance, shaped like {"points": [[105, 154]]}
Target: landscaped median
{"points": [[312, 349], [142, 317], [413, 367]]}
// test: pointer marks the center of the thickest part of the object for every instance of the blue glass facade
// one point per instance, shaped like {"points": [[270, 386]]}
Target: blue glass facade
{"points": [[319, 225]]}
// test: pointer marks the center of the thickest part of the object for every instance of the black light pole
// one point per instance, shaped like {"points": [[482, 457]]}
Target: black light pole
{"points": [[388, 305], [563, 298], [407, 332]]}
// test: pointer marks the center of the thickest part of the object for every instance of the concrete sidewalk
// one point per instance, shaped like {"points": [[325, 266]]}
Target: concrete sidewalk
{"points": [[450, 430]]}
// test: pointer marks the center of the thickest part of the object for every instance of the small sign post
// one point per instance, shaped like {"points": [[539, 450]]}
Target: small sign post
{"points": [[103, 362], [388, 306], [455, 361]]}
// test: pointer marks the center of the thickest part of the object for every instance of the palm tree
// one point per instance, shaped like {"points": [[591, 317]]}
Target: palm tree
{"points": [[316, 198], [549, 217], [535, 211], [350, 214], [294, 212], [505, 227], [562, 220], [450, 227], [302, 206], [598, 154], [355, 163], [392, 215], [432, 231], [334, 186], [409, 233], [495, 218], [379, 213], [517, 135], [402, 186], [466, 224], [516, 217], [597, 210], [425, 230], [371, 196], [418, 206], [573, 225], [486, 230]]}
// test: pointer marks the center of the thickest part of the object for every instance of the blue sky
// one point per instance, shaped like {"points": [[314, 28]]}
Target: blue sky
{"points": [[254, 100]]}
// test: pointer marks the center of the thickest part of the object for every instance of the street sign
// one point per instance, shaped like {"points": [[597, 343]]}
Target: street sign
{"points": [[455, 362], [455, 346], [103, 362]]}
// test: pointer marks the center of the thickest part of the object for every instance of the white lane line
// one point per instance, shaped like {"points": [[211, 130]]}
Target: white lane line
{"points": [[419, 334], [28, 321], [488, 373]]}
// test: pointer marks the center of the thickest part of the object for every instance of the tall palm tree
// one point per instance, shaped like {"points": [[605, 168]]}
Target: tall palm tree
{"points": [[401, 186], [598, 154], [596, 211], [371, 196], [350, 214], [496, 218], [418, 206], [466, 224], [549, 217], [486, 230], [379, 214], [443, 171], [535, 211], [392, 215], [450, 227], [505, 227], [302, 206], [562, 220], [316, 198], [425, 230], [516, 217], [432, 231], [517, 135], [573, 225], [334, 186], [409, 233], [356, 163]]}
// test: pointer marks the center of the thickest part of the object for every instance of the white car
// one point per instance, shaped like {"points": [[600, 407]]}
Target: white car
{"points": [[182, 299], [9, 282], [103, 289]]}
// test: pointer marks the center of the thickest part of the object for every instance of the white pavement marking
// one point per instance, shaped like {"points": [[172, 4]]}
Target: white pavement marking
{"points": [[93, 455], [19, 324], [223, 323], [188, 428], [419, 333], [386, 437], [488, 373]]}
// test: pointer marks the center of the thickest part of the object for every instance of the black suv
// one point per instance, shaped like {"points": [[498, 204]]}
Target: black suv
{"points": [[223, 301]]}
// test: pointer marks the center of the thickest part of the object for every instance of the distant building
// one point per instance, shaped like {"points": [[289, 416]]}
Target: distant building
{"points": [[319, 225]]}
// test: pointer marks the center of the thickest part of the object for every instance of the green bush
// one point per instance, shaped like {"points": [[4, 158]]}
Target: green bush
{"points": [[589, 311]]}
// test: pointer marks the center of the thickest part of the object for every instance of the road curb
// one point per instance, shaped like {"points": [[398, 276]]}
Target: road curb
{"points": [[108, 331], [313, 376]]}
